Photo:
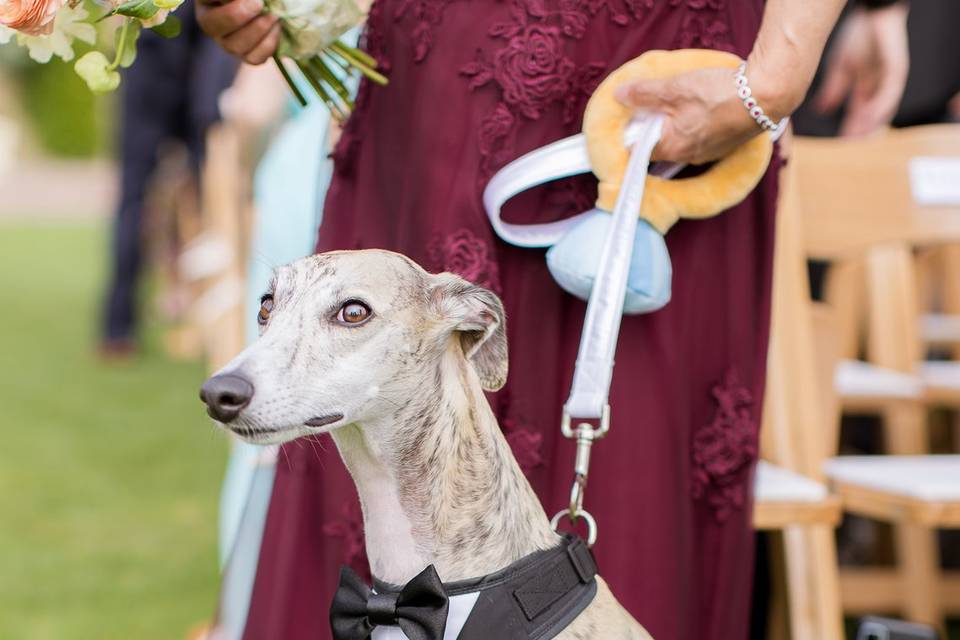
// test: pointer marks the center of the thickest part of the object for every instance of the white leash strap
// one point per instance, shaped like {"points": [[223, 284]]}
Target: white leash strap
{"points": [[594, 368], [561, 159]]}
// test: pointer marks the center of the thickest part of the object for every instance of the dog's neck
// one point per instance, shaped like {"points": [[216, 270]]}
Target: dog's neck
{"points": [[439, 484]]}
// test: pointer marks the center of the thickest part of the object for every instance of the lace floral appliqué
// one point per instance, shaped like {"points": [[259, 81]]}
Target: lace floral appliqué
{"points": [[525, 444], [532, 72], [530, 67], [724, 449], [703, 27], [466, 255], [349, 528]]}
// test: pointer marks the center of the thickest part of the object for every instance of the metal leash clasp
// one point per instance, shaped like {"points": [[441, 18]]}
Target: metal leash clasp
{"points": [[585, 434]]}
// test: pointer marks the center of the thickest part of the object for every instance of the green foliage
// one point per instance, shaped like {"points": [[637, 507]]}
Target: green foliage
{"points": [[125, 43], [66, 119], [142, 9], [170, 28], [110, 475]]}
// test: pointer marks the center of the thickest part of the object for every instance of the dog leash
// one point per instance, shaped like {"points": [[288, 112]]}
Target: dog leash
{"points": [[561, 159], [595, 359]]}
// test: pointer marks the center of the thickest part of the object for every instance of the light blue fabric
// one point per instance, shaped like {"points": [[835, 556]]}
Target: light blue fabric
{"points": [[289, 188], [574, 260]]}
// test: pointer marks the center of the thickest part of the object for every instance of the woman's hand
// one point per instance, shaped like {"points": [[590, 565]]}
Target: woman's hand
{"points": [[869, 64], [704, 118], [241, 27]]}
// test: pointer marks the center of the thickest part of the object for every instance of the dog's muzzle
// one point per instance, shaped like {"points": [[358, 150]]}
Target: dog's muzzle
{"points": [[226, 395]]}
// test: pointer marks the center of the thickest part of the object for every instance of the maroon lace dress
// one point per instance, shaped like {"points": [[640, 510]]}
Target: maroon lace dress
{"points": [[474, 84]]}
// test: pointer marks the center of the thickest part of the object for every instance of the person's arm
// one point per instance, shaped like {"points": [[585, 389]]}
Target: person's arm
{"points": [[705, 119], [867, 67]]}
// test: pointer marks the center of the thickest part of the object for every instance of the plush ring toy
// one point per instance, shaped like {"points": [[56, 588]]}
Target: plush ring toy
{"points": [[576, 243], [724, 185]]}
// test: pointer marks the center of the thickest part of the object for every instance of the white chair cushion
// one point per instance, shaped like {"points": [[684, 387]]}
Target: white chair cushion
{"points": [[855, 378], [940, 374], [930, 478], [776, 484], [940, 328]]}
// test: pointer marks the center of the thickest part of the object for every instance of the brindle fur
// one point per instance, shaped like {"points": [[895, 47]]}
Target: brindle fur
{"points": [[436, 478]]}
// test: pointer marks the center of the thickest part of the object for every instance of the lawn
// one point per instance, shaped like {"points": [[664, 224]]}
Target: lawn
{"points": [[109, 475]]}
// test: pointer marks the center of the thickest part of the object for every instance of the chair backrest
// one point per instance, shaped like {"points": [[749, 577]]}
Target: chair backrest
{"points": [[845, 200], [794, 409], [859, 210], [856, 193]]}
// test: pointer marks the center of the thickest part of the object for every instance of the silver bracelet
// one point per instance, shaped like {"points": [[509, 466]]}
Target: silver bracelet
{"points": [[751, 104]]}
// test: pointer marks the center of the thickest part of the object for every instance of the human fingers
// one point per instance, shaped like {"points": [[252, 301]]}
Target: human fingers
{"points": [[265, 49], [253, 36], [222, 20], [835, 87], [649, 95]]}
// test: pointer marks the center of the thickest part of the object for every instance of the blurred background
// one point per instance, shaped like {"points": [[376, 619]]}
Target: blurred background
{"points": [[137, 228], [109, 470]]}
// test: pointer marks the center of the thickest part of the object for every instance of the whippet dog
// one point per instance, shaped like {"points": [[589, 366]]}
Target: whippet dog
{"points": [[393, 362]]}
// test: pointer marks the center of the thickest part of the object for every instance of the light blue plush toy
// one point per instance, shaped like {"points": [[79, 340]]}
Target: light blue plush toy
{"points": [[572, 262], [576, 244]]}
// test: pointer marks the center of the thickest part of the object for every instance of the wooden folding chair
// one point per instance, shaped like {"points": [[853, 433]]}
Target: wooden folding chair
{"points": [[856, 200], [790, 495], [216, 259]]}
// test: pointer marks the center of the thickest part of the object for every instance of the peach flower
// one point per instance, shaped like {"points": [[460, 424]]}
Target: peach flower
{"points": [[32, 17]]}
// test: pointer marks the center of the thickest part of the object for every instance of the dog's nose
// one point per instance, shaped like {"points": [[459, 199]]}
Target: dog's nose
{"points": [[226, 395]]}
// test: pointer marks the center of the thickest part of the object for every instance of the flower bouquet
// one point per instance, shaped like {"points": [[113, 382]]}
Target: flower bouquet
{"points": [[311, 31]]}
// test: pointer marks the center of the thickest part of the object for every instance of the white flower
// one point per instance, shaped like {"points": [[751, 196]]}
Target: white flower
{"points": [[313, 25], [68, 26], [5, 34]]}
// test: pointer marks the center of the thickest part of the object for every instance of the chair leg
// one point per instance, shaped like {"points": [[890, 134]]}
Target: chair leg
{"points": [[905, 429], [813, 583], [778, 625], [918, 561], [827, 582]]}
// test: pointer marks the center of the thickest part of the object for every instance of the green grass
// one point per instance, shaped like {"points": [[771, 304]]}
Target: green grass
{"points": [[108, 475]]}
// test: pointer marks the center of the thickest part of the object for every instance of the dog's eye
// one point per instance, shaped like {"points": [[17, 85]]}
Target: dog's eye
{"points": [[353, 312], [266, 306]]}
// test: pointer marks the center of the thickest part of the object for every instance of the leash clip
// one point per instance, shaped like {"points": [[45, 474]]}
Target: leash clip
{"points": [[585, 434]]}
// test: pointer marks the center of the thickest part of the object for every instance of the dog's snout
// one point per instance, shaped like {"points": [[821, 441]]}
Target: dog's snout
{"points": [[226, 395]]}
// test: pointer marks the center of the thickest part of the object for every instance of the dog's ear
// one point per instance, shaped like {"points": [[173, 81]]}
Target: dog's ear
{"points": [[477, 315]]}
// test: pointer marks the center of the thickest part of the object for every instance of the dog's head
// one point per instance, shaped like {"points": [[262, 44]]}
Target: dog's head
{"points": [[350, 336]]}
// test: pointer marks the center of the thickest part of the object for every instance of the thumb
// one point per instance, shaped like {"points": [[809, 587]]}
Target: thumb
{"points": [[643, 94]]}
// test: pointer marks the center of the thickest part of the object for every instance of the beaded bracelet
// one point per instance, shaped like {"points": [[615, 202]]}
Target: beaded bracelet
{"points": [[751, 104]]}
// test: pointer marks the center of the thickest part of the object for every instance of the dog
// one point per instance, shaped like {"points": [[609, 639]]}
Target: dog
{"points": [[393, 362]]}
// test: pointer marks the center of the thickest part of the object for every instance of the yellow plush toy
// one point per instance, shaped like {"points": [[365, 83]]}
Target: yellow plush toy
{"points": [[722, 186]]}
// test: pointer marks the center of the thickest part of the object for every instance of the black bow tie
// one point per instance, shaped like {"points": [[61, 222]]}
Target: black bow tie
{"points": [[420, 609]]}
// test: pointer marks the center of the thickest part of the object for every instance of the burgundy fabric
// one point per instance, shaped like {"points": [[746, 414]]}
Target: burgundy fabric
{"points": [[474, 84]]}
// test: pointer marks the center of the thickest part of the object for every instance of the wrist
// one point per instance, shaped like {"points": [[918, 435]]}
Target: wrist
{"points": [[779, 93], [751, 103]]}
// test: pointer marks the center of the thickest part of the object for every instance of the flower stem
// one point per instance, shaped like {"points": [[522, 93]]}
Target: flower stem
{"points": [[121, 46], [355, 52], [318, 65], [334, 108], [347, 54], [290, 82]]}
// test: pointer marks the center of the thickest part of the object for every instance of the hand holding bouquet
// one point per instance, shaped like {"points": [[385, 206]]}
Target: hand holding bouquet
{"points": [[305, 31]]}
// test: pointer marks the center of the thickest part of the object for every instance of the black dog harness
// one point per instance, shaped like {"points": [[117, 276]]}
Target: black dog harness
{"points": [[535, 598]]}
